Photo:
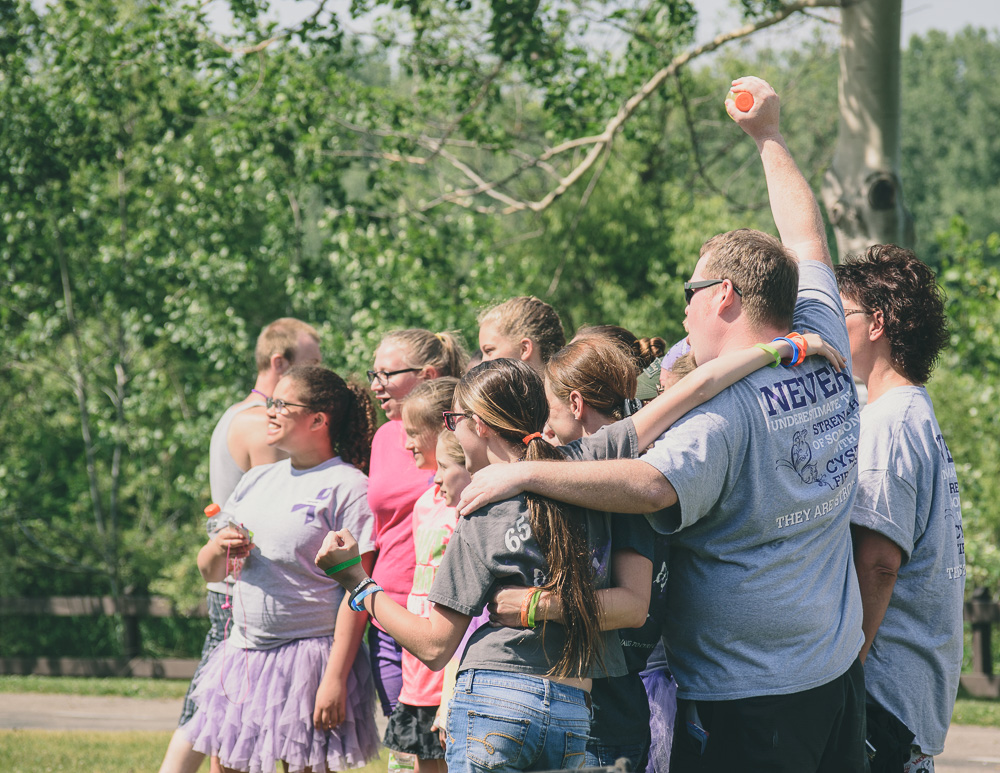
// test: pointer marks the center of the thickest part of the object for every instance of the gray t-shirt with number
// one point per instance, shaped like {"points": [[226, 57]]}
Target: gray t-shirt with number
{"points": [[908, 492], [495, 546], [280, 594], [763, 598]]}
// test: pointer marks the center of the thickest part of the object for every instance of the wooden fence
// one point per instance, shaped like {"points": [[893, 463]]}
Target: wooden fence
{"points": [[130, 664], [981, 612]]}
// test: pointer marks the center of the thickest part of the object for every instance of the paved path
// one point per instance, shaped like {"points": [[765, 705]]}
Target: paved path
{"points": [[967, 749]]}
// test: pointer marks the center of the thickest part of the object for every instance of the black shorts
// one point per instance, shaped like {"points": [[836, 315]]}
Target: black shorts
{"points": [[821, 730], [409, 731]]}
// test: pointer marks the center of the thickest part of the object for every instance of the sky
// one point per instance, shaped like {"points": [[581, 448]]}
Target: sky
{"points": [[919, 16], [716, 16]]}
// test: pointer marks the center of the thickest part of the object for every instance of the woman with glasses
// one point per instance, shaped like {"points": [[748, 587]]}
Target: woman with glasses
{"points": [[404, 358], [282, 687]]}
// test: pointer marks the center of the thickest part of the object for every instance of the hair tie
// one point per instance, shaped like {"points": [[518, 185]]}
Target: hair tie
{"points": [[439, 337], [532, 436]]}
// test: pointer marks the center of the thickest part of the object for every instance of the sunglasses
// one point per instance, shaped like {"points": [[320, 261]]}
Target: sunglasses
{"points": [[451, 418], [690, 288]]}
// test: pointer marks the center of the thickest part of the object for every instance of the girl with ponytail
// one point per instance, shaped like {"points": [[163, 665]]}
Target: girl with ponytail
{"points": [[281, 687]]}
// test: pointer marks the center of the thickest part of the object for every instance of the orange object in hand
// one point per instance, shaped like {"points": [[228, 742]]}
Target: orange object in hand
{"points": [[212, 509], [744, 101]]}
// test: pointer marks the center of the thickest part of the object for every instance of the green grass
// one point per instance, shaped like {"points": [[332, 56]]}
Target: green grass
{"points": [[48, 751], [975, 711], [116, 686]]}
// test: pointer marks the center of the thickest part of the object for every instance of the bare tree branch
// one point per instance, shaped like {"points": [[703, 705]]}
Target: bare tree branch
{"points": [[595, 145]]}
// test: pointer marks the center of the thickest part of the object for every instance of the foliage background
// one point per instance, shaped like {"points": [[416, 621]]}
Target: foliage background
{"points": [[165, 193]]}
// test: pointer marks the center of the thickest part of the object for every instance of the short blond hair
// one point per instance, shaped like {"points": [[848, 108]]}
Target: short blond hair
{"points": [[281, 337]]}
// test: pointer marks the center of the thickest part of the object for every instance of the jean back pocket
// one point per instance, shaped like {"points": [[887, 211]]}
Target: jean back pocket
{"points": [[494, 742]]}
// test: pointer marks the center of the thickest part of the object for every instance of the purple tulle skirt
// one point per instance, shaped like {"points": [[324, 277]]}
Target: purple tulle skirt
{"points": [[252, 723]]}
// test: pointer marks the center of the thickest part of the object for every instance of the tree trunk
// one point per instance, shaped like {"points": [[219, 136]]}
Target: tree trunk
{"points": [[862, 191]]}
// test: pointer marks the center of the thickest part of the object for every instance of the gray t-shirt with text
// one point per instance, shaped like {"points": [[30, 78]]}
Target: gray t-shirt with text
{"points": [[908, 492], [763, 598], [495, 546]]}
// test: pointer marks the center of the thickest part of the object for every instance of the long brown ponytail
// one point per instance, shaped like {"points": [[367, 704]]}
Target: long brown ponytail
{"points": [[509, 397]]}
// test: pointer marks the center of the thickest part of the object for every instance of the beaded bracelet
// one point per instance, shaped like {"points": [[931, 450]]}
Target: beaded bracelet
{"points": [[342, 565], [357, 604], [773, 352]]}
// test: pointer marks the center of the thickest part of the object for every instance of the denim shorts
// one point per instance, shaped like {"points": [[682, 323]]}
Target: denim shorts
{"points": [[500, 721]]}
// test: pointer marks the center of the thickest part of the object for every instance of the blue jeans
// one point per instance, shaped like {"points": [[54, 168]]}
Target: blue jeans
{"points": [[500, 721]]}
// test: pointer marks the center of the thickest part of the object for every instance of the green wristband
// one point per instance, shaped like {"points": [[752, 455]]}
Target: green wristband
{"points": [[349, 562], [532, 606], [772, 351]]}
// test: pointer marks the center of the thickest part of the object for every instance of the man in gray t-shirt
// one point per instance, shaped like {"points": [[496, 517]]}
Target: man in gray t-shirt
{"points": [[763, 598], [907, 519]]}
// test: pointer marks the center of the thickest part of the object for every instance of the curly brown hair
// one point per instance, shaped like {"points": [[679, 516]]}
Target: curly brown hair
{"points": [[893, 280], [348, 407]]}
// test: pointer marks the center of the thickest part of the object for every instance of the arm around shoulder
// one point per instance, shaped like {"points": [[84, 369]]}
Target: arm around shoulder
{"points": [[612, 485]]}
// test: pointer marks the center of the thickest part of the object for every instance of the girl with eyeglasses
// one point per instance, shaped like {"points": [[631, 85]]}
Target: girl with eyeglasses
{"points": [[404, 359], [282, 686]]}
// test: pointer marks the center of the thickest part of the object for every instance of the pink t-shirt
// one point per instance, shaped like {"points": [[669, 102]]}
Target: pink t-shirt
{"points": [[433, 524], [394, 485]]}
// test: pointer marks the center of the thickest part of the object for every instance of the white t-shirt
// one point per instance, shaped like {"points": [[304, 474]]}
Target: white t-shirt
{"points": [[281, 594]]}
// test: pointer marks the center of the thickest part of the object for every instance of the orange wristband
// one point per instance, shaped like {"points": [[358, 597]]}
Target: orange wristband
{"points": [[800, 342], [525, 603]]}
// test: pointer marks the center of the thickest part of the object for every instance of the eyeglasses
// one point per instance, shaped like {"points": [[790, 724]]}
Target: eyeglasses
{"points": [[451, 418], [849, 312], [383, 376], [691, 287], [280, 406]]}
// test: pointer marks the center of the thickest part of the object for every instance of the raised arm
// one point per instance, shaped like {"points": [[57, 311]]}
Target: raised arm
{"points": [[793, 204]]}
